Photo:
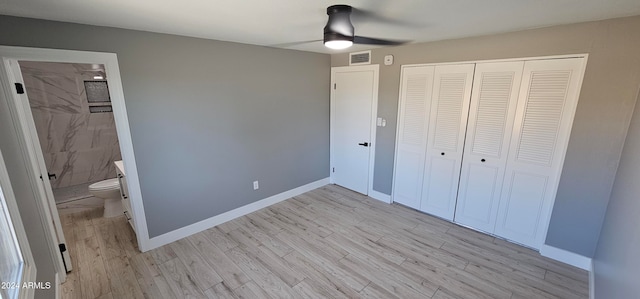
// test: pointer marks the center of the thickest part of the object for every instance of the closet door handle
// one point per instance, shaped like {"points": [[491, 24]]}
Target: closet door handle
{"points": [[364, 144]]}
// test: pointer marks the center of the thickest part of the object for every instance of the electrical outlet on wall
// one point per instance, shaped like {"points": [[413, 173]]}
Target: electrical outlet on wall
{"points": [[255, 185]]}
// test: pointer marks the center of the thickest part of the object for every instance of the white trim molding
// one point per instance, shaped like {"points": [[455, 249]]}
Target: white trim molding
{"points": [[380, 196], [58, 287], [528, 58], [592, 281], [197, 227], [567, 257]]}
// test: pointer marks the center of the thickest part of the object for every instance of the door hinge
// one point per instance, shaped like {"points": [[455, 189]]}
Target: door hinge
{"points": [[19, 88], [334, 86], [333, 169], [62, 247]]}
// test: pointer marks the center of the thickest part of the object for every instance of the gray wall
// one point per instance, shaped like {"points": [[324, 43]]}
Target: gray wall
{"points": [[207, 117], [602, 116], [616, 261]]}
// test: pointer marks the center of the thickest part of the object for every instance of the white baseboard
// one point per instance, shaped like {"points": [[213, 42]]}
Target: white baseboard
{"points": [[592, 282], [58, 286], [380, 196], [566, 257], [197, 227]]}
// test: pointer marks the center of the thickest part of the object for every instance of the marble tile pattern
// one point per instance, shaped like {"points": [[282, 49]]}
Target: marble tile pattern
{"points": [[79, 147]]}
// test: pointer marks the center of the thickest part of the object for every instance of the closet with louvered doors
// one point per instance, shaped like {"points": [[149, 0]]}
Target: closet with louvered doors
{"points": [[445, 140], [431, 127], [411, 141], [494, 142], [491, 114], [546, 106]]}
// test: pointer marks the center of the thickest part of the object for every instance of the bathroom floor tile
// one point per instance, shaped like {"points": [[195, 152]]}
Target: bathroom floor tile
{"points": [[80, 205]]}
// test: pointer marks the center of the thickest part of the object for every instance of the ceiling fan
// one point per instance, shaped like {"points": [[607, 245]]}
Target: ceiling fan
{"points": [[339, 32]]}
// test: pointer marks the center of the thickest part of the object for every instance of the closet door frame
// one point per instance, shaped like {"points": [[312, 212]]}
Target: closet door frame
{"points": [[563, 146]]}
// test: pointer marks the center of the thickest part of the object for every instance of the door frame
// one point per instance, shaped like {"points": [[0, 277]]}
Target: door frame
{"points": [[375, 68], [24, 123], [29, 268], [39, 167]]}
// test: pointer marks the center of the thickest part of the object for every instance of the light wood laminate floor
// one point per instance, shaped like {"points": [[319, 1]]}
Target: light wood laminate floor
{"points": [[327, 243]]}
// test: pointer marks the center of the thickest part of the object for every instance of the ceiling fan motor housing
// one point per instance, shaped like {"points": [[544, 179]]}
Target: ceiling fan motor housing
{"points": [[339, 25]]}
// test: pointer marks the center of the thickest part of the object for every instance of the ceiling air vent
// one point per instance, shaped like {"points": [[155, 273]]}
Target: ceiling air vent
{"points": [[357, 58]]}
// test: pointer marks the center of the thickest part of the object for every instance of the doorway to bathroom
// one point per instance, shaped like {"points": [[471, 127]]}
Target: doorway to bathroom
{"points": [[83, 128], [73, 118]]}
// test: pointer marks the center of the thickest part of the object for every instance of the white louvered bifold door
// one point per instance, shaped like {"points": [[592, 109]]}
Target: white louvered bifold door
{"points": [[445, 141], [491, 113], [413, 119], [544, 115]]}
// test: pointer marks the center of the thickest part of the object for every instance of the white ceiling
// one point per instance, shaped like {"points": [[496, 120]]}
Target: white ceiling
{"points": [[280, 22]]}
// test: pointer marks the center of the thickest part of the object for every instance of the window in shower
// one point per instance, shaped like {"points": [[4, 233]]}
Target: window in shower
{"points": [[98, 96]]}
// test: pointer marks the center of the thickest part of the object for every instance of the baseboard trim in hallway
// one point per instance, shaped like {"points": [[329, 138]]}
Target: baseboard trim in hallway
{"points": [[566, 257], [197, 227], [592, 281], [380, 196]]}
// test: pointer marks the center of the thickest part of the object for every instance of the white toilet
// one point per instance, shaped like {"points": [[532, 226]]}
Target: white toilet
{"points": [[109, 190]]}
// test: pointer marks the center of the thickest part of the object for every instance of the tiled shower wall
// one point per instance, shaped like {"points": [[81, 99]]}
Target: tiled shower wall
{"points": [[78, 146]]}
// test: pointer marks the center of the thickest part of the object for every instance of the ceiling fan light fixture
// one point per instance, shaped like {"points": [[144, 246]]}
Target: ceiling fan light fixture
{"points": [[338, 44], [338, 33]]}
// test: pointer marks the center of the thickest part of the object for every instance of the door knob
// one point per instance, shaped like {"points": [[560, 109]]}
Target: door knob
{"points": [[364, 144], [482, 160]]}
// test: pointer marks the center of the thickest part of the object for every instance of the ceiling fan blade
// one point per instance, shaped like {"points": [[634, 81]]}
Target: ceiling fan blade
{"points": [[366, 16], [339, 31], [376, 41], [291, 44]]}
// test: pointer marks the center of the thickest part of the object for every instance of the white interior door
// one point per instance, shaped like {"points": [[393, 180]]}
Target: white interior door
{"points": [[413, 123], [411, 144], [491, 113], [39, 171], [544, 115], [445, 142], [353, 105]]}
